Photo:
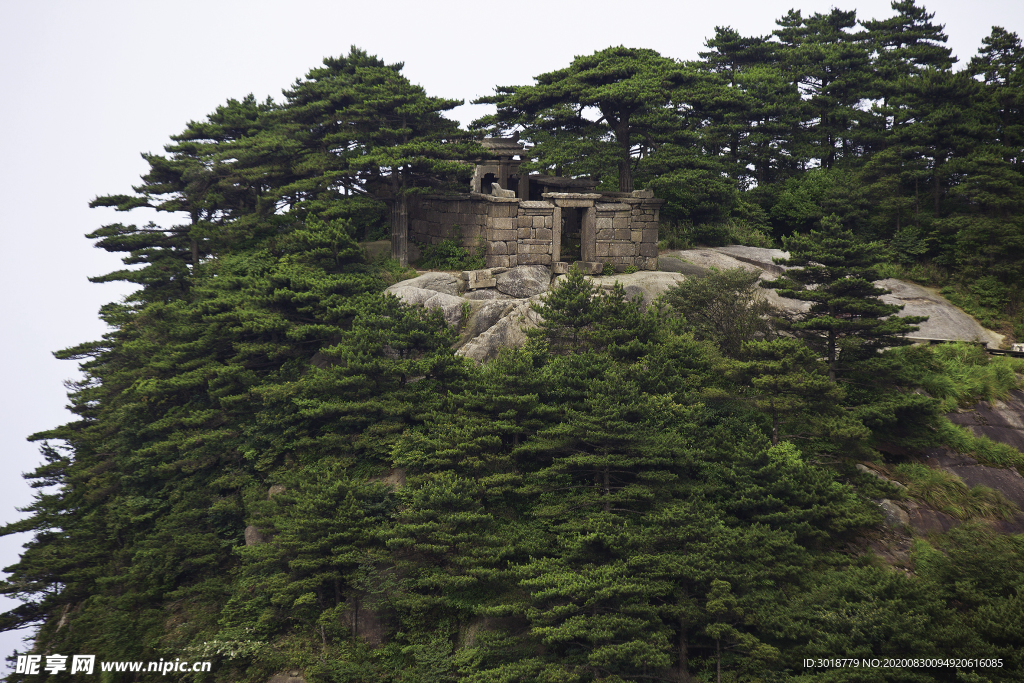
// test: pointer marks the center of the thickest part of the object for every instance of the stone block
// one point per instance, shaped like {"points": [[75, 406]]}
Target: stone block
{"points": [[605, 235], [502, 235], [496, 260], [604, 249], [543, 234], [651, 235], [620, 223], [621, 249], [525, 233], [526, 248], [649, 249], [577, 203], [534, 259], [482, 282], [636, 235], [502, 223], [559, 267], [512, 261], [604, 223], [589, 267], [621, 234], [512, 247], [497, 248]]}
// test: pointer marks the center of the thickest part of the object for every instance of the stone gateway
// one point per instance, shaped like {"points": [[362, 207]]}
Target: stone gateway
{"points": [[538, 220]]}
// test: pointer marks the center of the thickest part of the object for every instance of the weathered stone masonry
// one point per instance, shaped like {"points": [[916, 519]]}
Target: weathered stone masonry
{"points": [[617, 228], [524, 226]]}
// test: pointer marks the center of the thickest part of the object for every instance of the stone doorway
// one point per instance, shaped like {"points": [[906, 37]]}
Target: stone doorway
{"points": [[571, 247]]}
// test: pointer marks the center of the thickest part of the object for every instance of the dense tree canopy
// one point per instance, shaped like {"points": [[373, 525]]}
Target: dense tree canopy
{"points": [[273, 466]]}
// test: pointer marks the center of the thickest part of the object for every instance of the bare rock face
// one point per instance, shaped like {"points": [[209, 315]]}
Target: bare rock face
{"points": [[395, 478], [757, 256], [509, 331], [287, 677], [647, 285], [253, 536], [483, 315], [895, 516], [446, 283], [523, 282], [945, 321], [485, 295], [450, 305], [670, 263]]}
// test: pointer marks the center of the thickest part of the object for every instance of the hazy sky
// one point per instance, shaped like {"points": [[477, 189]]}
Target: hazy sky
{"points": [[87, 86]]}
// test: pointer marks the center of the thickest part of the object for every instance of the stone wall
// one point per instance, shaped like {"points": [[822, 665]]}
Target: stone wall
{"points": [[501, 231], [433, 218], [536, 233], [618, 228]]}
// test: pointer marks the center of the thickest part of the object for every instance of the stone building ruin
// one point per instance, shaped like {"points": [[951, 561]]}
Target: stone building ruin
{"points": [[518, 219]]}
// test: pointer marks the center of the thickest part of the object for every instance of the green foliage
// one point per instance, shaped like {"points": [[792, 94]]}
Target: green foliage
{"points": [[947, 493], [834, 271], [450, 255], [790, 384], [273, 466], [627, 86], [726, 307], [965, 374]]}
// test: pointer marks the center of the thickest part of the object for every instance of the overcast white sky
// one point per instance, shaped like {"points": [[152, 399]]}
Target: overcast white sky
{"points": [[87, 87]]}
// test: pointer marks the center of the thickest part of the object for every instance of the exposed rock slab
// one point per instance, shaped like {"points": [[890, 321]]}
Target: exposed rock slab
{"points": [[509, 331], [710, 258], [450, 305], [648, 284], [287, 677], [1001, 421], [945, 321], [895, 516], [445, 283], [523, 282], [483, 315], [757, 256], [670, 263], [485, 295]]}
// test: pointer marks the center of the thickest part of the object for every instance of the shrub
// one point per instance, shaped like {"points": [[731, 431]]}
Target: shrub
{"points": [[450, 255], [948, 493], [727, 307]]}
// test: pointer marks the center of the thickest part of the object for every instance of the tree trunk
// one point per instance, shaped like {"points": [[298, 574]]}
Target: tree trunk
{"points": [[832, 356], [400, 229], [683, 674], [625, 165], [937, 189]]}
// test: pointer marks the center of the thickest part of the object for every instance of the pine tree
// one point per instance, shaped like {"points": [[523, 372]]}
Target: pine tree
{"points": [[834, 271], [629, 88]]}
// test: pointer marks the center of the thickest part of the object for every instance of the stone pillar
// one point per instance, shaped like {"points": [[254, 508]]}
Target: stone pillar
{"points": [[503, 173], [556, 235], [524, 186], [588, 235]]}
